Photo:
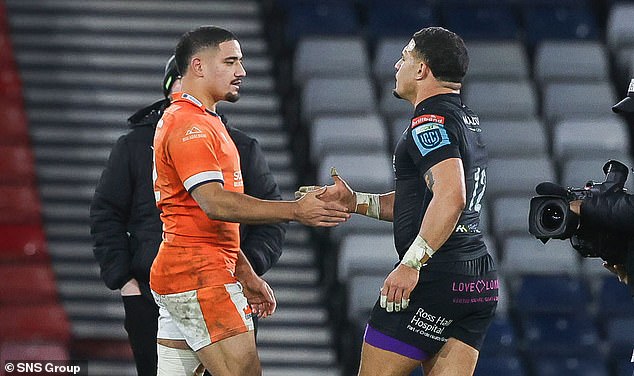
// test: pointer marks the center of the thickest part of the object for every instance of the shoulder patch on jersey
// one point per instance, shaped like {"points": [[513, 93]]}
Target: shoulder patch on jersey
{"points": [[430, 137], [192, 133], [427, 118]]}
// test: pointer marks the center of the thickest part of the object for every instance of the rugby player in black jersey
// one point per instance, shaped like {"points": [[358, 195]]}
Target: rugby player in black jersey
{"points": [[436, 305]]}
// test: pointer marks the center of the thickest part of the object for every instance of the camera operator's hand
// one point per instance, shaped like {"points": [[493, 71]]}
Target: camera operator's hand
{"points": [[575, 206], [619, 270]]}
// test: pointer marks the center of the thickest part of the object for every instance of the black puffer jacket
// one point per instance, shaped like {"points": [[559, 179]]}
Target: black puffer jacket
{"points": [[124, 220]]}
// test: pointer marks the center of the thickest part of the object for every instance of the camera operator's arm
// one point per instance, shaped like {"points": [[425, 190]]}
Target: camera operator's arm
{"points": [[614, 212]]}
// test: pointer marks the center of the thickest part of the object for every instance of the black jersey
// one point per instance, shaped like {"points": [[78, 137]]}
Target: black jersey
{"points": [[442, 128]]}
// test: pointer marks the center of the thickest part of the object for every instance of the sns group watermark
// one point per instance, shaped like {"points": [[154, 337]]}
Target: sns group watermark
{"points": [[61, 368]]}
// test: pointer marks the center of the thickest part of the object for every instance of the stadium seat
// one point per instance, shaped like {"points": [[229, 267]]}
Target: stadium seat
{"points": [[603, 136], [501, 100], [398, 127], [518, 175], [387, 52], [584, 365], [481, 22], [320, 18], [22, 243], [33, 351], [614, 299], [497, 60], [507, 365], [508, 138], [330, 96], [551, 21], [577, 101], [363, 292], [392, 107], [398, 18], [360, 224], [27, 284], [571, 60], [13, 125], [330, 134], [524, 254], [46, 322], [559, 334], [550, 294], [16, 165], [624, 367], [366, 254], [501, 339], [619, 28], [10, 86], [509, 215], [576, 172], [324, 57], [368, 172], [19, 205]]}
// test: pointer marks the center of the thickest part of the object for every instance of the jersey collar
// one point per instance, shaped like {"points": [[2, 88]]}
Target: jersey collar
{"points": [[451, 97], [184, 97]]}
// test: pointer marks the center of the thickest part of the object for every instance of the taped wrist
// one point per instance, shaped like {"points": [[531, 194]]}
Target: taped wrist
{"points": [[368, 204], [418, 253]]}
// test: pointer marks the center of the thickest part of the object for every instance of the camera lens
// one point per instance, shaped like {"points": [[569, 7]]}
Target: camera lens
{"points": [[552, 217]]}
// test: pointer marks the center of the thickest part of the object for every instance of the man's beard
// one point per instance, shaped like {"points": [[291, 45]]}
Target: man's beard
{"points": [[231, 97], [394, 93]]}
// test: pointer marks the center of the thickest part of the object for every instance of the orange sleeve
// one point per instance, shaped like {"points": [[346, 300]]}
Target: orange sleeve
{"points": [[192, 149]]}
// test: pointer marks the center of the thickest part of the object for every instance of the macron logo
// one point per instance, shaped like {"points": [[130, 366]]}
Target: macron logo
{"points": [[193, 130]]}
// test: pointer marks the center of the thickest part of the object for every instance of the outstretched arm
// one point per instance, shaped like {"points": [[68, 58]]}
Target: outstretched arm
{"points": [[224, 205], [379, 206]]}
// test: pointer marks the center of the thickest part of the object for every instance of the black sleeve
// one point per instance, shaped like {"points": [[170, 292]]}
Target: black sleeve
{"points": [[613, 212], [109, 214], [261, 244], [432, 140]]}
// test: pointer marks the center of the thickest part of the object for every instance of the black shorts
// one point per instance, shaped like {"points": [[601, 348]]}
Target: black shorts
{"points": [[452, 300]]}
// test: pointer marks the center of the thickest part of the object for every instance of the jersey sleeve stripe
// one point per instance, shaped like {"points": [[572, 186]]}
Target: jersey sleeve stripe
{"points": [[202, 177]]}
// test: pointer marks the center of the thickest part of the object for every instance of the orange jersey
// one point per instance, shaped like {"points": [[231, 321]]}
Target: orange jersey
{"points": [[192, 147]]}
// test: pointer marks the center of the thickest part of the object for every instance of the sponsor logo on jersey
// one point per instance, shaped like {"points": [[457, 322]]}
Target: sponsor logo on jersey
{"points": [[194, 132], [430, 137], [237, 179], [428, 118]]}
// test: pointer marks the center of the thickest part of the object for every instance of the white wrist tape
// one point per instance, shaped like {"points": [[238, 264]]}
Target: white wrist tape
{"points": [[368, 204], [416, 252]]}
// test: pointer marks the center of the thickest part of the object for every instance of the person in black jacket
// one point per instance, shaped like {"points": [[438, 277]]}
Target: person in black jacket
{"points": [[126, 227], [615, 211]]}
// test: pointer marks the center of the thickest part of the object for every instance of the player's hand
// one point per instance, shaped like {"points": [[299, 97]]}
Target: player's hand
{"points": [[397, 287], [259, 295], [312, 211], [339, 192], [619, 270]]}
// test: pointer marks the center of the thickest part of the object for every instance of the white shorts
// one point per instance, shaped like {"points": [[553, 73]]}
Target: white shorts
{"points": [[204, 316]]}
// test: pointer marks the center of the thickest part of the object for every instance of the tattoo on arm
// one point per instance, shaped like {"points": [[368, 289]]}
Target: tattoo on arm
{"points": [[429, 180]]}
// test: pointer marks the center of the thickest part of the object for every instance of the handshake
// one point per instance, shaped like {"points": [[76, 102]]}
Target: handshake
{"points": [[325, 206]]}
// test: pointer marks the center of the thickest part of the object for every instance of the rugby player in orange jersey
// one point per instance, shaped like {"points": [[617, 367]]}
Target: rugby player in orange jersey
{"points": [[204, 286]]}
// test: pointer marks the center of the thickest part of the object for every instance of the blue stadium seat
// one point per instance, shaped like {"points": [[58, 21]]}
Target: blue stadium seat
{"points": [[570, 366], [320, 18], [398, 18], [484, 22], [501, 339], [507, 365], [614, 299], [624, 368], [561, 293], [548, 22], [559, 334]]}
